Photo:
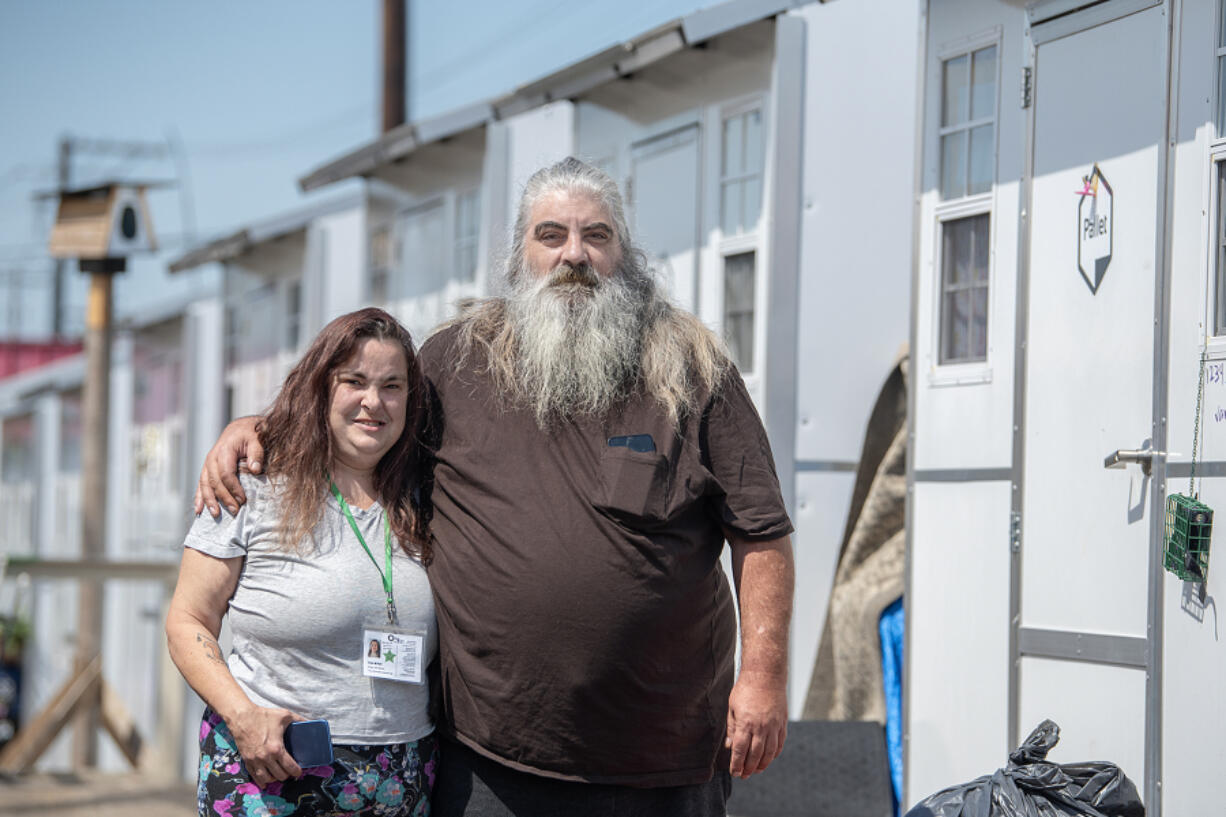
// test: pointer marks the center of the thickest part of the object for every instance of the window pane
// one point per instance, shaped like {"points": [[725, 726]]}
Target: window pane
{"points": [[733, 162], [1221, 97], [466, 227], [753, 203], [423, 264], [953, 101], [983, 83], [18, 447], [739, 308], [953, 165], [956, 253], [954, 328], [72, 420], [1219, 311], [1221, 33], [982, 159], [753, 142], [378, 287], [965, 253], [979, 323], [978, 228], [730, 207], [293, 314], [466, 262]]}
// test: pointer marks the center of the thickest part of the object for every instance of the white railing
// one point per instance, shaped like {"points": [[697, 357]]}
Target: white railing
{"points": [[17, 518]]}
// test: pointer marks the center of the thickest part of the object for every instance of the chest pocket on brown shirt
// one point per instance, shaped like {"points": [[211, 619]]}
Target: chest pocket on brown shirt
{"points": [[634, 485]]}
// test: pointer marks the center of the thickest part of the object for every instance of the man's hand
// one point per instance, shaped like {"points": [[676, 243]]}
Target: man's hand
{"points": [[757, 722], [259, 733], [219, 476]]}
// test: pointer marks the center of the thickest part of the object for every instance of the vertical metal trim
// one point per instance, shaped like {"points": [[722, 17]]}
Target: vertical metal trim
{"points": [[917, 186], [1021, 317], [1161, 383], [782, 269]]}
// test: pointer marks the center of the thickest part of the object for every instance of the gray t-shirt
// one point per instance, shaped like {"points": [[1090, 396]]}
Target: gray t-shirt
{"points": [[297, 619]]}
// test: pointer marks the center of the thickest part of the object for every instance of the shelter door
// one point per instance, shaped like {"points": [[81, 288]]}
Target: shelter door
{"points": [[664, 200], [1087, 385]]}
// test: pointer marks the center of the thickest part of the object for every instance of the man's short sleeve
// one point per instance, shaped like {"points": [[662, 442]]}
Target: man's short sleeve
{"points": [[739, 456], [226, 536]]}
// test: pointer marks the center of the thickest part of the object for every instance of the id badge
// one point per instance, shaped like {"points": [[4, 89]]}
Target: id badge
{"points": [[393, 653]]}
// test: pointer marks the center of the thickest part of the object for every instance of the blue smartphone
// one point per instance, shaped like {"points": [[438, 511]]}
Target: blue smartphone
{"points": [[309, 743]]}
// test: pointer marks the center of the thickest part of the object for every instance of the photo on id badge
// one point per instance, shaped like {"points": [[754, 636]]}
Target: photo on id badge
{"points": [[393, 654]]}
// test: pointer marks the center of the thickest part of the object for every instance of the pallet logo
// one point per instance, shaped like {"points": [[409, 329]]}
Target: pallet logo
{"points": [[1095, 217]]}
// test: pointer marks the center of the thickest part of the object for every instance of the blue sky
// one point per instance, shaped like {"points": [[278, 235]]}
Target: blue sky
{"points": [[257, 93]]}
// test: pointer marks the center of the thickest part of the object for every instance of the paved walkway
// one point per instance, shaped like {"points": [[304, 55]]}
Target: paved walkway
{"points": [[95, 795]]}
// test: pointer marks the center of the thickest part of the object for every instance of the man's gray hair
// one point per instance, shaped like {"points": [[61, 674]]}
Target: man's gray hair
{"points": [[571, 176]]}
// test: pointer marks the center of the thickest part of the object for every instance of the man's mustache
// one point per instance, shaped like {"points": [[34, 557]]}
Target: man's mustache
{"points": [[576, 274]]}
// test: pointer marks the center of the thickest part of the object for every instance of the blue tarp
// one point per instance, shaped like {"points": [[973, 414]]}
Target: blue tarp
{"points": [[891, 629]]}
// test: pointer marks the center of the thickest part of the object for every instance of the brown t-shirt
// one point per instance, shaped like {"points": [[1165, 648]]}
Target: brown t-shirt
{"points": [[586, 627]]}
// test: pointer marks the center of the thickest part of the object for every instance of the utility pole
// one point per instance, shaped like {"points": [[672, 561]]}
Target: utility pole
{"points": [[63, 181], [395, 36]]}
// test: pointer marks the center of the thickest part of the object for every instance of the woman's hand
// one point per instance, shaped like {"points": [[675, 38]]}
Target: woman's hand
{"points": [[193, 622], [259, 736], [219, 476]]}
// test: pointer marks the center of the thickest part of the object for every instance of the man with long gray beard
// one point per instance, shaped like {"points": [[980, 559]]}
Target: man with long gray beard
{"points": [[596, 449]]}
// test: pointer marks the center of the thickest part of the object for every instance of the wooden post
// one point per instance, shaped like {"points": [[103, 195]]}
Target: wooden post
{"points": [[95, 421]]}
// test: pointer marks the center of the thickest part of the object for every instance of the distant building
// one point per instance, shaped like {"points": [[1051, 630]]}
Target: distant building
{"points": [[165, 401], [18, 356]]}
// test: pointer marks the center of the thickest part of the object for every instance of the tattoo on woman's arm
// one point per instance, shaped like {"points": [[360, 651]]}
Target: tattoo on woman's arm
{"points": [[211, 648]]}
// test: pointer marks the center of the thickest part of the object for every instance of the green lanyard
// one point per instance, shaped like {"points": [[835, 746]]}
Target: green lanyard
{"points": [[385, 574]]}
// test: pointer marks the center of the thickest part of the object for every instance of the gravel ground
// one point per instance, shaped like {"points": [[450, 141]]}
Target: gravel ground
{"points": [[96, 795]]}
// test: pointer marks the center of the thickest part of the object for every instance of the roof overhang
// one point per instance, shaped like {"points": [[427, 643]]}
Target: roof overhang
{"points": [[245, 239], [573, 81]]}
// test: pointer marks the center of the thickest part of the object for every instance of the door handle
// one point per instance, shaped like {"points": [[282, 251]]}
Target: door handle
{"points": [[1123, 456]]}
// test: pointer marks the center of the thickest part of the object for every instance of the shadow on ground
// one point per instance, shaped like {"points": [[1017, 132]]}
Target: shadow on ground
{"points": [[95, 795]]}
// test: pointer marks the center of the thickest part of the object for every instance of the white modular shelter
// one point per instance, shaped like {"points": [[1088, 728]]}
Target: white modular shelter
{"points": [[1068, 280], [283, 278], [754, 182]]}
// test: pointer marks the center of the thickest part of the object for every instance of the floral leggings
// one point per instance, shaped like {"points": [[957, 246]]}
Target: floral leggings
{"points": [[389, 781]]}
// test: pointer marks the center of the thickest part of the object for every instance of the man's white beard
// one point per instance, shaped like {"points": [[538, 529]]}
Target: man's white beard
{"points": [[578, 339]]}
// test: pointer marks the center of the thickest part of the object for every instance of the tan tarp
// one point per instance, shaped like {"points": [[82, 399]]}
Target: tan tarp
{"points": [[847, 683]]}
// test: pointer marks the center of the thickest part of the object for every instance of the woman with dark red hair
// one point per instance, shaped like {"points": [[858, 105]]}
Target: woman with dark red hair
{"points": [[326, 557]]}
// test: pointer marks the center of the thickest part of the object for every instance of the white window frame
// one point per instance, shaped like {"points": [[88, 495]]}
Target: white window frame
{"points": [[1213, 343], [1219, 50], [752, 240], [740, 107], [974, 371], [967, 48], [944, 210]]}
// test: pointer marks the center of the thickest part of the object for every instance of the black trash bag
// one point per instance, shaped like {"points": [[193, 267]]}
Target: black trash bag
{"points": [[1032, 786]]}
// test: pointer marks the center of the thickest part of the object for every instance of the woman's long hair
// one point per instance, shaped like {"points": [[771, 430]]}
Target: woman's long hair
{"points": [[298, 445]]}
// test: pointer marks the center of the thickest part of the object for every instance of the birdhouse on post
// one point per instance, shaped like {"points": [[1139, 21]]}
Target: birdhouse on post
{"points": [[102, 225]]}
